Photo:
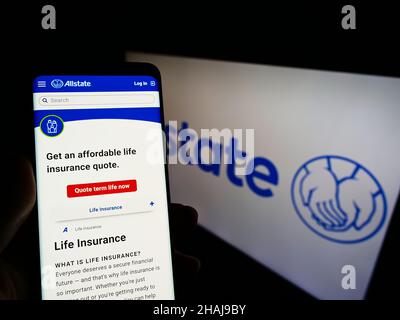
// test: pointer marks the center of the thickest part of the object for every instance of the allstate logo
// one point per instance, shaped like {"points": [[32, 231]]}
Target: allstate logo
{"points": [[338, 199], [57, 83]]}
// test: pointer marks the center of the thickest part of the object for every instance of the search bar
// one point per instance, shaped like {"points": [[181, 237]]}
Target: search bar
{"points": [[96, 100]]}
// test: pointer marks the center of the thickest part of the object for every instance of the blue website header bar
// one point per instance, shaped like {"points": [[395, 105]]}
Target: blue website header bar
{"points": [[81, 83]]}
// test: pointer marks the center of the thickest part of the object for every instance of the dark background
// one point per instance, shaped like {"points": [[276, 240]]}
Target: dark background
{"points": [[302, 35]]}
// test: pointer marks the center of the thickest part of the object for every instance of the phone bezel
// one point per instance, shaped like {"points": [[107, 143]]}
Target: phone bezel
{"points": [[126, 68]]}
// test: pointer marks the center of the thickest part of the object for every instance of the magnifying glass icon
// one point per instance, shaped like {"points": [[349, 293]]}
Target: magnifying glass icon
{"points": [[44, 100]]}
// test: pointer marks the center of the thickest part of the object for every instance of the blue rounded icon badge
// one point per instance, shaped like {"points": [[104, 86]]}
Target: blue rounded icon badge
{"points": [[57, 83], [51, 125], [338, 199]]}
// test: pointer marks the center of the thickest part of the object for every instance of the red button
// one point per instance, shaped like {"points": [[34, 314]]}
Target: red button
{"points": [[98, 188]]}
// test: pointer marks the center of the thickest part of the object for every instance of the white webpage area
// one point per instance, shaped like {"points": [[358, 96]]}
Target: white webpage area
{"points": [[103, 215]]}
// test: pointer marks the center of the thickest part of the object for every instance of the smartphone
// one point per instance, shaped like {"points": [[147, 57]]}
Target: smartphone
{"points": [[102, 184]]}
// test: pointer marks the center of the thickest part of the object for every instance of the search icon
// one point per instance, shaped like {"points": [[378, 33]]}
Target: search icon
{"points": [[44, 100]]}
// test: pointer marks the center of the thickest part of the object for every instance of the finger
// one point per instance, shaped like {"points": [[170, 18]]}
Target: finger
{"points": [[321, 211], [183, 221], [338, 213], [186, 269], [186, 264], [20, 193], [332, 216], [312, 206], [317, 216]]}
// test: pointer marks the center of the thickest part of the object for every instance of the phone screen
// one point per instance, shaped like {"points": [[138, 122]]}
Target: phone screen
{"points": [[101, 188]]}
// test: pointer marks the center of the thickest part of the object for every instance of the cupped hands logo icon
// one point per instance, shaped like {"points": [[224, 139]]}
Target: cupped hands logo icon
{"points": [[57, 83], [339, 199]]}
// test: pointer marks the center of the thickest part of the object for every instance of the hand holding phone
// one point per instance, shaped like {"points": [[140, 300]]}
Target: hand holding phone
{"points": [[22, 196], [102, 185]]}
